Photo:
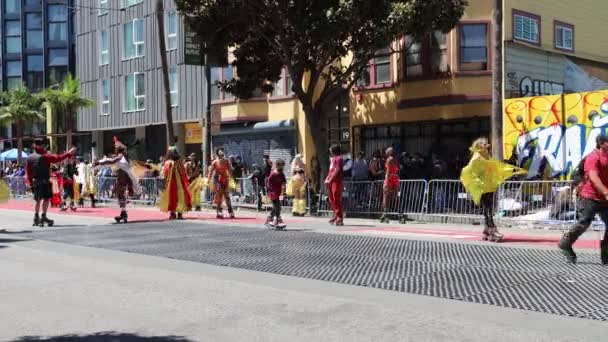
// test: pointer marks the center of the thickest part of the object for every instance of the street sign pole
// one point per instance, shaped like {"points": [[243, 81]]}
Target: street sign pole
{"points": [[207, 118]]}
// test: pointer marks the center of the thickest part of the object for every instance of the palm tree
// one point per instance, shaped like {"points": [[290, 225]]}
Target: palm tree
{"points": [[20, 108], [66, 99]]}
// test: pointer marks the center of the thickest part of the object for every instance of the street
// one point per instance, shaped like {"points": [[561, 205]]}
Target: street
{"points": [[201, 280]]}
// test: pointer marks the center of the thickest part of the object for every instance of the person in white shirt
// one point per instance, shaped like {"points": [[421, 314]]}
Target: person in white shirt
{"points": [[81, 179]]}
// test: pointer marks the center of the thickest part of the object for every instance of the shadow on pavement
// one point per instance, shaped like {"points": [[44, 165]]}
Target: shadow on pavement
{"points": [[12, 240], [104, 337]]}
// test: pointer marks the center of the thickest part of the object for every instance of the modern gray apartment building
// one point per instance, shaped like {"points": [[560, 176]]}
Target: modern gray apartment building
{"points": [[37, 43], [118, 61]]}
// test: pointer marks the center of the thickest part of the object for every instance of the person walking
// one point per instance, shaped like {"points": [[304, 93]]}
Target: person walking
{"points": [[81, 180], [220, 174], [593, 200], [69, 184], [481, 151], [298, 186], [38, 174], [391, 183], [276, 188], [127, 184], [176, 198], [335, 184]]}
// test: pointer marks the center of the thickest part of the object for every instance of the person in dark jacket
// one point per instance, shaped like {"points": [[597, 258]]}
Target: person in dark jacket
{"points": [[38, 175]]}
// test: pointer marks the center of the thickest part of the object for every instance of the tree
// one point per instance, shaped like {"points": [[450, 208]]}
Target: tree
{"points": [[497, 93], [160, 18], [325, 45], [66, 100], [20, 108]]}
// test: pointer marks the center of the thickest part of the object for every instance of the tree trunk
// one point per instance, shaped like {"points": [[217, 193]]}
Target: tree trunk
{"points": [[19, 127], [69, 130], [160, 18], [497, 82], [314, 119]]}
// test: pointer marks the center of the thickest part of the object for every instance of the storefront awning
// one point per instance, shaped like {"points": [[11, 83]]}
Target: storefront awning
{"points": [[261, 127]]}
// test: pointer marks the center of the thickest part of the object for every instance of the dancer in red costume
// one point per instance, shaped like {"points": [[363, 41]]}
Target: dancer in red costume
{"points": [[176, 198], [220, 176], [335, 184], [391, 183]]}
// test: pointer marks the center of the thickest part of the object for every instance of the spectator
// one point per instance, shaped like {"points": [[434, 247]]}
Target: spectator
{"points": [[376, 167], [418, 167], [237, 167], [405, 166], [360, 168]]}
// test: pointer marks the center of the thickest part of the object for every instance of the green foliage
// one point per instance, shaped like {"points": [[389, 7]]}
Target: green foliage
{"points": [[66, 98], [311, 36], [20, 107]]}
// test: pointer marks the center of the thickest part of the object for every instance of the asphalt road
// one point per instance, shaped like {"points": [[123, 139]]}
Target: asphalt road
{"points": [[97, 283]]}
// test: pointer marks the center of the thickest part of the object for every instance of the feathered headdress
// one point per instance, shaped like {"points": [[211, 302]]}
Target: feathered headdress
{"points": [[118, 144]]}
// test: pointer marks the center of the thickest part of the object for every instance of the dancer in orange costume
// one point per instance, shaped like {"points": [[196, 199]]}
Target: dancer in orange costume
{"points": [[176, 198], [220, 176]]}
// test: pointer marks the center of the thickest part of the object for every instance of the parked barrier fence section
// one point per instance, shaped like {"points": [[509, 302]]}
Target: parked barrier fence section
{"points": [[547, 204]]}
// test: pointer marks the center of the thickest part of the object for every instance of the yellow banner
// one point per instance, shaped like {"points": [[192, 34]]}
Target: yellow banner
{"points": [[549, 141], [194, 133]]}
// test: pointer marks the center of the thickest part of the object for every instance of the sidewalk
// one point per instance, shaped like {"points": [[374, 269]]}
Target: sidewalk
{"points": [[425, 231]]}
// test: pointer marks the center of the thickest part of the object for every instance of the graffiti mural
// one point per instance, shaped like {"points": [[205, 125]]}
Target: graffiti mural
{"points": [[548, 141]]}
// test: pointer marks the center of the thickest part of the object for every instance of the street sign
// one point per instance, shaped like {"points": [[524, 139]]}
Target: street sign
{"points": [[193, 47], [195, 50]]}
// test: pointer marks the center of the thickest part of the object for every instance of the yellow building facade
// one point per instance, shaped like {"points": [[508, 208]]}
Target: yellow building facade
{"points": [[433, 96]]}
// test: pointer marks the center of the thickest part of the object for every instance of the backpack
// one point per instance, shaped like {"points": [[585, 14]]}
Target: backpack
{"points": [[578, 175]]}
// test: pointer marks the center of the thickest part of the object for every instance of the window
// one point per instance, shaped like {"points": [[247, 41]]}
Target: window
{"points": [[127, 3], [13, 36], [526, 27], [33, 25], [35, 75], [33, 3], [173, 86], [474, 47], [135, 92], [279, 86], [378, 72], [57, 13], [382, 64], [58, 22], [218, 75], [58, 57], [104, 49], [564, 36], [171, 31], [413, 57], [12, 6], [134, 39], [103, 7], [104, 94], [438, 52], [427, 55], [13, 74]]}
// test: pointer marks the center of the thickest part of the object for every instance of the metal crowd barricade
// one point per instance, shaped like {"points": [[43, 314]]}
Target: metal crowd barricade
{"points": [[364, 198], [150, 190], [18, 186], [540, 204], [448, 202]]}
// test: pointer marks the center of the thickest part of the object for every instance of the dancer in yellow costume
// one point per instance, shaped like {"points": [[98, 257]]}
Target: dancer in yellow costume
{"points": [[481, 178], [297, 186]]}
